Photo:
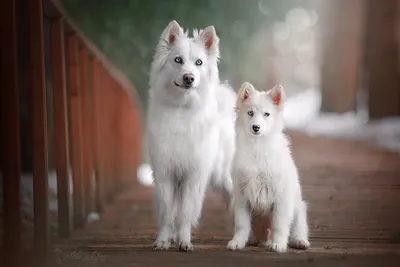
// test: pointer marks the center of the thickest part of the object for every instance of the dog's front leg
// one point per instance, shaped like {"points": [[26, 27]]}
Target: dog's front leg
{"points": [[282, 215], [193, 191], [164, 196], [242, 224]]}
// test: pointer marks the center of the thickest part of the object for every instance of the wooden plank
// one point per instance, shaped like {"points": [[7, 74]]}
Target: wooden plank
{"points": [[97, 138], [342, 32], [76, 130], [39, 123], [382, 58], [86, 145], [60, 126], [10, 147]]}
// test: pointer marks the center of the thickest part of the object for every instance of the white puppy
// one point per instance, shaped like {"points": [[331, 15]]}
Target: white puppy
{"points": [[191, 131], [264, 175]]}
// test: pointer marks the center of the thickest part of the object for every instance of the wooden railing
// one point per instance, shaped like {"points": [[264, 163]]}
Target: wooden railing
{"points": [[96, 126]]}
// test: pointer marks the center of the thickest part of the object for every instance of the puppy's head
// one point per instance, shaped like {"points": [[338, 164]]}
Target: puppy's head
{"points": [[182, 63], [260, 112]]}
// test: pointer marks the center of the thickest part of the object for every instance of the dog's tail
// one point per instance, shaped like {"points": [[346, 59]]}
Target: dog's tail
{"points": [[145, 174]]}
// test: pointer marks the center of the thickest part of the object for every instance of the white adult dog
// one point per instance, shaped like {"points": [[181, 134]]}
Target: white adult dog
{"points": [[191, 132], [265, 178]]}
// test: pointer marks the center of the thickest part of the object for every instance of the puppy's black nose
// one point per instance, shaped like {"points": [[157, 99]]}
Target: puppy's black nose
{"points": [[256, 128], [188, 78]]}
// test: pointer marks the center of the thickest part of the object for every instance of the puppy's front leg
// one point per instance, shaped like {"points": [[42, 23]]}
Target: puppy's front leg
{"points": [[282, 216], [242, 224]]}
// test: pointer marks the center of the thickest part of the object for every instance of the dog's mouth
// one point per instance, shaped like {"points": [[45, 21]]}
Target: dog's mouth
{"points": [[253, 133], [183, 86]]}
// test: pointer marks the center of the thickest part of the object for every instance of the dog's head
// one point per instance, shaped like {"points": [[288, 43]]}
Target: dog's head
{"points": [[182, 63], [260, 112]]}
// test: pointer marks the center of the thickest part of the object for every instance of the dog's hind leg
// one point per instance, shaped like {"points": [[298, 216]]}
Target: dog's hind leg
{"points": [[299, 233], [164, 197], [223, 183]]}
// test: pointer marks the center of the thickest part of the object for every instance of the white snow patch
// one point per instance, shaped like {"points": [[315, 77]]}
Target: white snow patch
{"points": [[302, 113]]}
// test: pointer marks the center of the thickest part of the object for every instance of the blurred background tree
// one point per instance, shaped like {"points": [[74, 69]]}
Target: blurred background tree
{"points": [[128, 30]]}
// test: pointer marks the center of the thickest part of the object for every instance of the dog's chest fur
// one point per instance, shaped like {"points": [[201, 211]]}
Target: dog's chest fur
{"points": [[184, 140], [258, 175]]}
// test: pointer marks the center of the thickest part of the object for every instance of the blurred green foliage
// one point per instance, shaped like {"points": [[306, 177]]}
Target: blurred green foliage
{"points": [[128, 30]]}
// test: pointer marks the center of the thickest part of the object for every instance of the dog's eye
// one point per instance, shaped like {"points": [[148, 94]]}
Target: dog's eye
{"points": [[199, 62], [251, 113], [266, 114], [178, 60]]}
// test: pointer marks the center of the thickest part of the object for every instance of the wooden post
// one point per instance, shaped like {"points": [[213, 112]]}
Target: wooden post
{"points": [[10, 158], [113, 176], [115, 103], [76, 130], [342, 29], [98, 144], [39, 122], [121, 136], [60, 126], [86, 147], [382, 58]]}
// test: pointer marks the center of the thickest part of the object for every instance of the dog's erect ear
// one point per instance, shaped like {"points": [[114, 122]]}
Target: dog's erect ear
{"points": [[245, 92], [211, 40], [277, 95], [171, 32]]}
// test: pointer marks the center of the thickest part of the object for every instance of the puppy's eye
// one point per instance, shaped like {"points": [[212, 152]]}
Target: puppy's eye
{"points": [[266, 114], [250, 113], [199, 62], [178, 60]]}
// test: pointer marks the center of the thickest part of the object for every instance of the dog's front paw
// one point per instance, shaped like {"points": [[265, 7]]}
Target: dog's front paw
{"points": [[236, 245], [185, 247], [161, 245], [276, 247], [299, 244]]}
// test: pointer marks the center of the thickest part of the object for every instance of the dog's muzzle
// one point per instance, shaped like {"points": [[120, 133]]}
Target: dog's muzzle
{"points": [[185, 86]]}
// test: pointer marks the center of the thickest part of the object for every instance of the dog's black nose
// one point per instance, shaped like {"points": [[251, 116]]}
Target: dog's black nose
{"points": [[256, 128], [188, 78]]}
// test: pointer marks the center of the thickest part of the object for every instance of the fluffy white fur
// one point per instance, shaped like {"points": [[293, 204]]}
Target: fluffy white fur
{"points": [[265, 178], [190, 130]]}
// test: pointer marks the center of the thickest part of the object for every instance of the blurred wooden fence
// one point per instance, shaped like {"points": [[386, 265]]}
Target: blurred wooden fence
{"points": [[96, 125]]}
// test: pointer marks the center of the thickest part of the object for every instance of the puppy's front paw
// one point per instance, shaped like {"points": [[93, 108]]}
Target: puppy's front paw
{"points": [[235, 245], [299, 244], [185, 247], [160, 245], [276, 247]]}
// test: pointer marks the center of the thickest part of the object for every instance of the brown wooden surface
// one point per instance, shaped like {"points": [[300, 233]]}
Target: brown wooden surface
{"points": [[10, 158], [60, 126], [353, 191], [39, 125], [86, 134], [74, 92], [342, 28], [382, 58]]}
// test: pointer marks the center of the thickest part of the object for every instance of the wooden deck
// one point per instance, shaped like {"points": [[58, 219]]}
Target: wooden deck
{"points": [[354, 201]]}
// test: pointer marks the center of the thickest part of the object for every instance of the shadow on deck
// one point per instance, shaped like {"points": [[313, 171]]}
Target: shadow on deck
{"points": [[353, 192]]}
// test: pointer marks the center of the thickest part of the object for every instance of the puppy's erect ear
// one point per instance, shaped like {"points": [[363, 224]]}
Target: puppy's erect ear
{"points": [[171, 32], [277, 94], [211, 40], [245, 92]]}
